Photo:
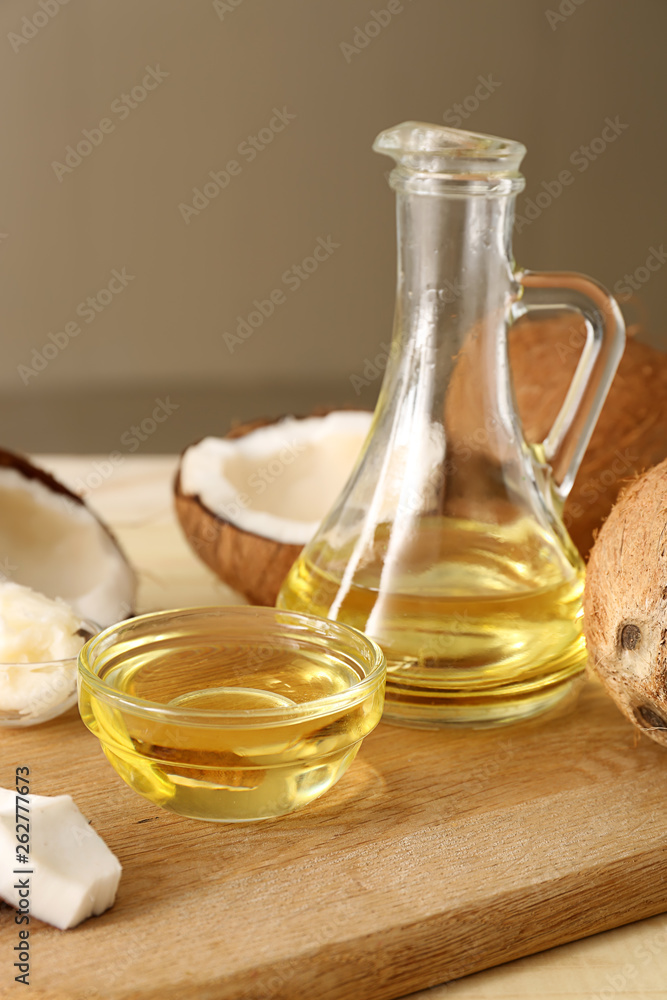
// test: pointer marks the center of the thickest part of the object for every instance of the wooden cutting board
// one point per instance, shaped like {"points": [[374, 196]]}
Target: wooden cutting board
{"points": [[437, 855]]}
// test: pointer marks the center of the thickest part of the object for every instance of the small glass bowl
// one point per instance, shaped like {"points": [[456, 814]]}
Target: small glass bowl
{"points": [[231, 714], [31, 693]]}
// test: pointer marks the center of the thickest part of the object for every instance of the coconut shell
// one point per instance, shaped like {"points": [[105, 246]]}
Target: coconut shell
{"points": [[253, 565], [12, 460], [631, 433], [123, 604], [625, 603]]}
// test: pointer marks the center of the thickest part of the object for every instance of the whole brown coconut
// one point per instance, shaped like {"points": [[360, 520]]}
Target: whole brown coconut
{"points": [[625, 603], [631, 433]]}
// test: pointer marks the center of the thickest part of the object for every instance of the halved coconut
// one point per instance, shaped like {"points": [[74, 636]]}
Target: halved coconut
{"points": [[52, 542], [248, 503]]}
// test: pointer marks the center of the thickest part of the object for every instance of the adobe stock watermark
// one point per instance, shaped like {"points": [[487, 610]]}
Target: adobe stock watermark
{"points": [[131, 439], [622, 289], [121, 108], [88, 310], [247, 150], [622, 467], [622, 982], [222, 7], [7, 569], [630, 283], [364, 34], [458, 113], [31, 25], [256, 484], [274, 983], [623, 462], [565, 9], [505, 750], [292, 279], [581, 158], [449, 292], [51, 689], [373, 368], [108, 976]]}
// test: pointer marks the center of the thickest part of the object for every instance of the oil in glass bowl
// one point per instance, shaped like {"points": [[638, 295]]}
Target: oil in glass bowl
{"points": [[231, 714]]}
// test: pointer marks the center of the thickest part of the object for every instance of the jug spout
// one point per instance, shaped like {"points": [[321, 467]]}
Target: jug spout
{"points": [[436, 150]]}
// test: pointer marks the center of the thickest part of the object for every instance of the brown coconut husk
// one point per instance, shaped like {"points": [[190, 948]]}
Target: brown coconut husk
{"points": [[630, 436], [252, 564], [631, 433], [625, 603]]}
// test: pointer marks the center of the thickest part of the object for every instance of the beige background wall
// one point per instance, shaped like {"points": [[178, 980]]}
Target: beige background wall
{"points": [[219, 71]]}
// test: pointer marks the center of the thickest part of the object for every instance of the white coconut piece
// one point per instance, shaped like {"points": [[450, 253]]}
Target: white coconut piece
{"points": [[39, 643], [35, 629], [70, 873], [279, 480], [52, 542]]}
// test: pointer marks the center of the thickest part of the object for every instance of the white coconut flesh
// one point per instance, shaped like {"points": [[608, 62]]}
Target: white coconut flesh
{"points": [[39, 642], [280, 480], [34, 628], [56, 546]]}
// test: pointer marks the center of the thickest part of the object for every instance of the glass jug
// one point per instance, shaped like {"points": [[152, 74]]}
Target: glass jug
{"points": [[447, 544]]}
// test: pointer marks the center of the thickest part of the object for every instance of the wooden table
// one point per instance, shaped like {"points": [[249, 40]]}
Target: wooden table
{"points": [[135, 499]]}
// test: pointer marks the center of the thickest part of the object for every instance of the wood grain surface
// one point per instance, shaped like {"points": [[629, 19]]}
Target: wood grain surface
{"points": [[437, 854]]}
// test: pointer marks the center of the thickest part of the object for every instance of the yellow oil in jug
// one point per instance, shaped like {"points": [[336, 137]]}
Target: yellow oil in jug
{"points": [[479, 623]]}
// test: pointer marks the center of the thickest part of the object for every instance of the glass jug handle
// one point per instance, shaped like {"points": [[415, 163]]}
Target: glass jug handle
{"points": [[566, 442]]}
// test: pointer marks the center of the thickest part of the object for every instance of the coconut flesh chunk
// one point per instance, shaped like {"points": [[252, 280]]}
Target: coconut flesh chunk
{"points": [[277, 481], [69, 873], [35, 629], [39, 643], [51, 542]]}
